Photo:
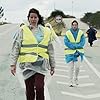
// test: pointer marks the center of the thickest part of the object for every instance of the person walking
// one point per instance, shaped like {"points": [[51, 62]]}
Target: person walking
{"points": [[33, 50], [74, 42], [91, 33]]}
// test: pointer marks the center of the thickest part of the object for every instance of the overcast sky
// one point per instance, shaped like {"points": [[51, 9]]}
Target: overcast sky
{"points": [[17, 10]]}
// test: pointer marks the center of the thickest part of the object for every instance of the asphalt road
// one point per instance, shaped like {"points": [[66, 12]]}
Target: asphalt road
{"points": [[57, 86]]}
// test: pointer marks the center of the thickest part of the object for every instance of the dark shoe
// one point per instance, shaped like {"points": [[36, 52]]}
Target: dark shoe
{"points": [[91, 44], [71, 86]]}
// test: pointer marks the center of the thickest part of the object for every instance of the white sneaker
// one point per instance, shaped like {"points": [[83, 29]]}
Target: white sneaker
{"points": [[76, 82]]}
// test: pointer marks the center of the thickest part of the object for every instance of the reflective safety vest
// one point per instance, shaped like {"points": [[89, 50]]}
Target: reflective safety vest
{"points": [[30, 48], [72, 40]]}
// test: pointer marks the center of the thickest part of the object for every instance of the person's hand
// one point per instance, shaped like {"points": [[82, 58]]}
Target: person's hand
{"points": [[13, 69], [52, 71]]}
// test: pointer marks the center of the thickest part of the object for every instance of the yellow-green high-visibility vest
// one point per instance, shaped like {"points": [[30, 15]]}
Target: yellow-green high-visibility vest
{"points": [[30, 48], [72, 40]]}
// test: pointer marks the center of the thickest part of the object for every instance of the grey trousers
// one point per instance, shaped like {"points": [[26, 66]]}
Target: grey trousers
{"points": [[74, 70]]}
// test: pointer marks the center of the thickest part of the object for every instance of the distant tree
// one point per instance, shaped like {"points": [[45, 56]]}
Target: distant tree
{"points": [[87, 16], [92, 19], [59, 12]]}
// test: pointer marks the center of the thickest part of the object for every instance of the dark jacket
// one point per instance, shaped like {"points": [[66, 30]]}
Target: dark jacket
{"points": [[91, 34]]}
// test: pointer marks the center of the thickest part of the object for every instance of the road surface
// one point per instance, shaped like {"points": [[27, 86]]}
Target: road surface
{"points": [[57, 87]]}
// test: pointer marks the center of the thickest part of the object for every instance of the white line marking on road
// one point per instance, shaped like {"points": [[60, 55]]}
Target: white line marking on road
{"points": [[73, 94], [58, 66], [20, 78], [61, 63], [81, 96], [62, 70], [86, 84], [82, 70], [92, 67], [63, 66], [60, 58], [57, 53], [80, 85], [58, 75], [85, 76], [46, 93], [47, 81]]}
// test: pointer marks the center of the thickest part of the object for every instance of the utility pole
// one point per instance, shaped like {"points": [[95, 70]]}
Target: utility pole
{"points": [[54, 6], [72, 7]]}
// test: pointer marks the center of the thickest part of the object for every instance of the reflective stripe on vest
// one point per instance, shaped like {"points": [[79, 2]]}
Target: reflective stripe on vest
{"points": [[72, 40], [30, 48]]}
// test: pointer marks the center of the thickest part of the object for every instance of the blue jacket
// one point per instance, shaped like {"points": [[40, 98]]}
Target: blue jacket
{"points": [[73, 57]]}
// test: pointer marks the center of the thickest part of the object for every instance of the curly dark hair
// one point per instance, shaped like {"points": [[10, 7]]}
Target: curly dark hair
{"points": [[33, 10]]}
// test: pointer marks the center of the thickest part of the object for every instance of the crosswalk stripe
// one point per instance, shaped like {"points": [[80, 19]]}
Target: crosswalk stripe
{"points": [[80, 85], [73, 94], [58, 66], [46, 92], [63, 66], [62, 70], [64, 76], [61, 63], [57, 75], [81, 96]]}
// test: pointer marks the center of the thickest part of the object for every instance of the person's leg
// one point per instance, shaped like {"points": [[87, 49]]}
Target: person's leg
{"points": [[77, 66], [91, 43], [71, 72], [30, 93], [39, 84]]}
